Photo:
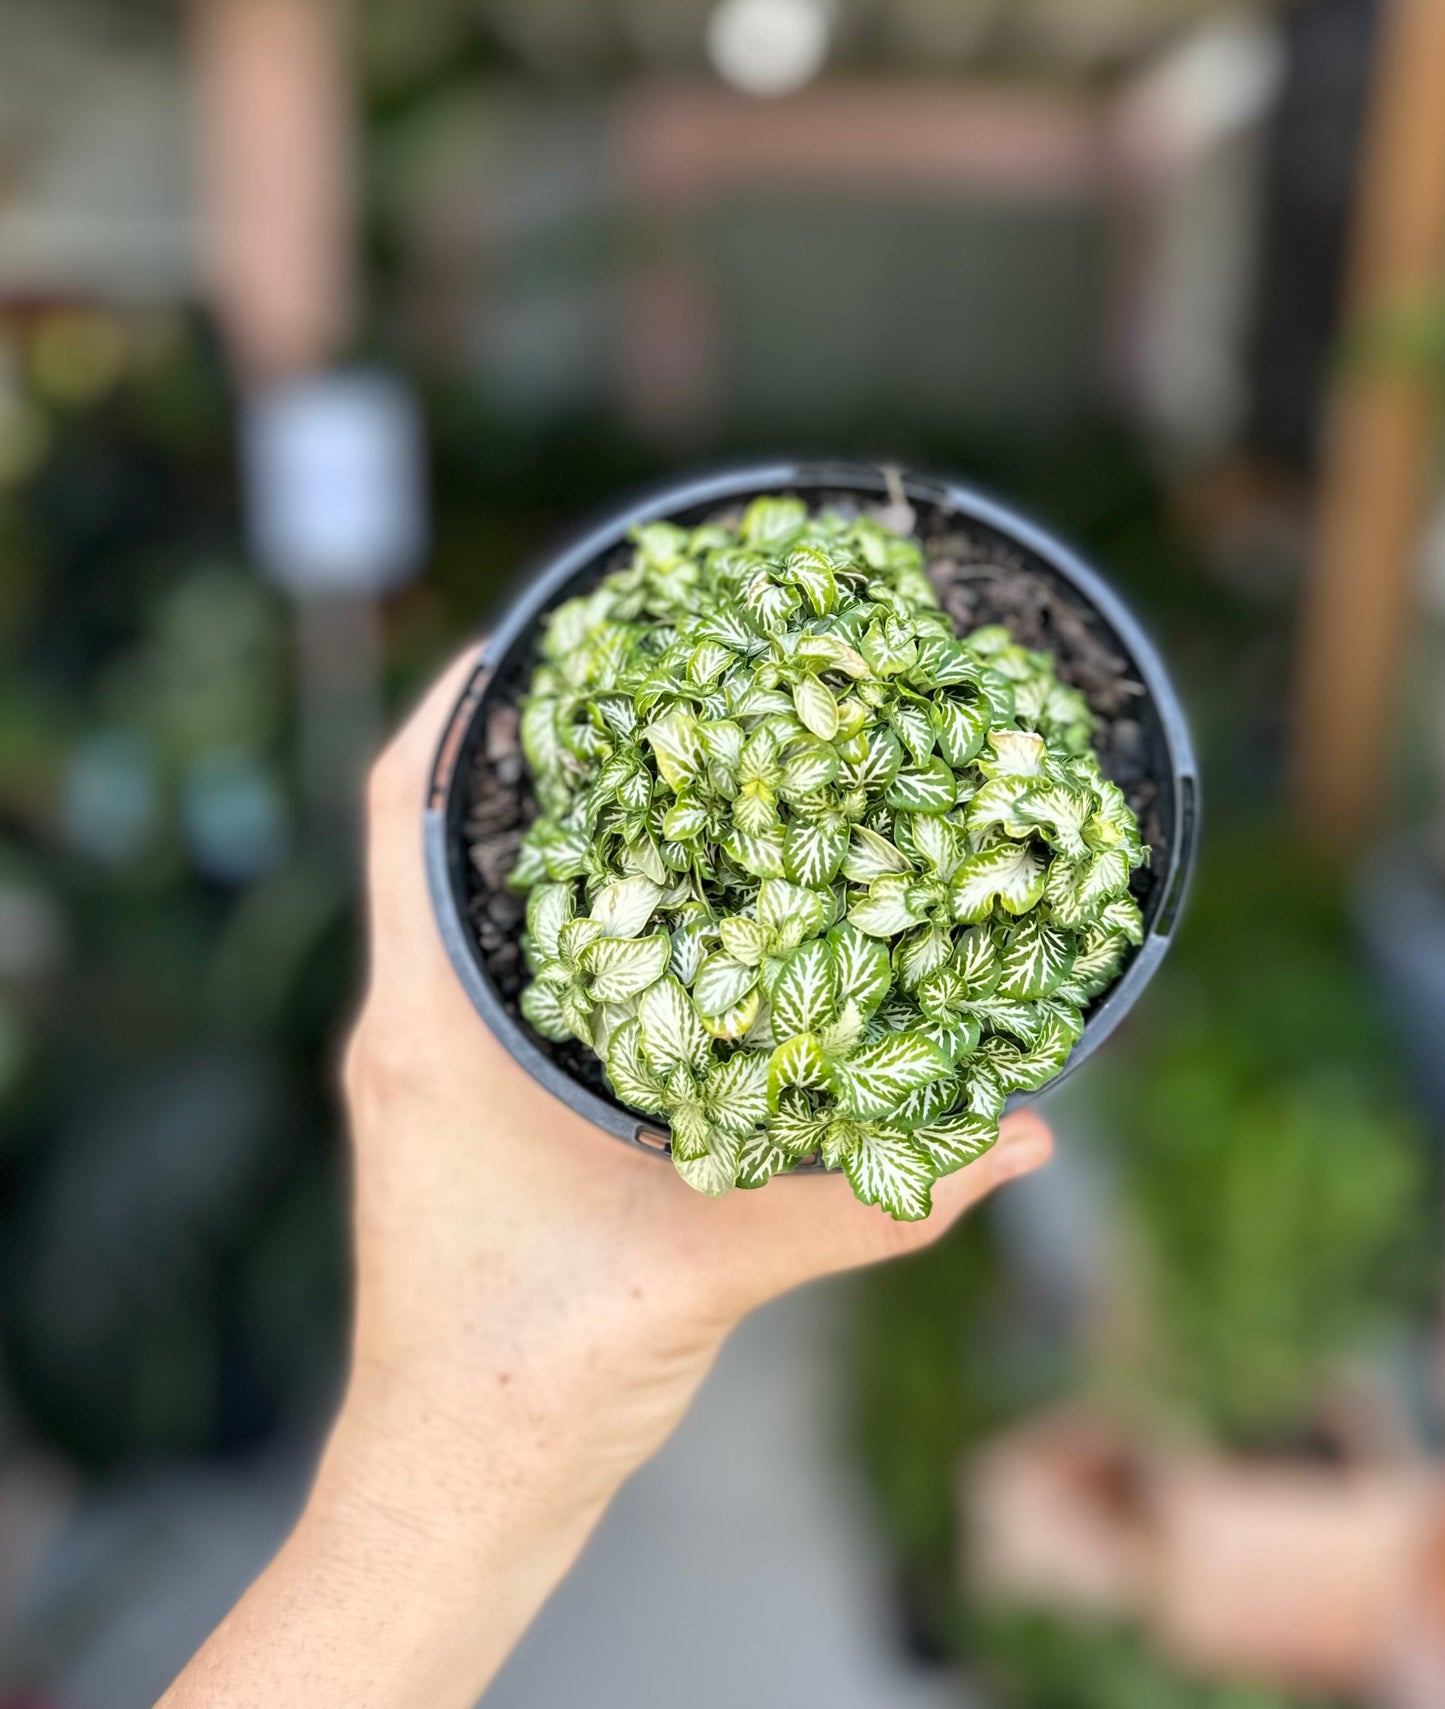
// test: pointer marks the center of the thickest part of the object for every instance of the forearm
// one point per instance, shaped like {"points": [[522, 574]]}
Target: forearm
{"points": [[387, 1596]]}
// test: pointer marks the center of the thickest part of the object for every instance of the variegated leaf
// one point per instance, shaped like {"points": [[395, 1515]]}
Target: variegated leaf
{"points": [[1013, 753], [1036, 958], [762, 1155], [767, 605], [956, 1140], [790, 912], [798, 1064], [876, 768], [574, 939], [813, 851], [549, 908], [769, 524], [625, 967], [805, 994], [625, 907], [721, 984], [744, 940], [862, 966], [676, 741], [930, 840], [810, 766], [706, 661], [927, 788], [760, 760], [944, 662], [1123, 915], [1008, 1015], [715, 1172], [956, 1037], [736, 1022], [887, 909], [683, 821], [736, 1093], [543, 1008], [817, 707], [920, 952], [1077, 890], [672, 1035], [976, 960], [913, 727], [926, 1103], [941, 993], [1010, 873], [797, 1128], [961, 726], [541, 740], [629, 1071], [1060, 814], [880, 1075], [761, 855], [887, 1169], [870, 856], [811, 569], [998, 802]]}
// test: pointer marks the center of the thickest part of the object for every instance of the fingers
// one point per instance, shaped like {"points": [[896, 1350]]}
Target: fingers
{"points": [[396, 795]]}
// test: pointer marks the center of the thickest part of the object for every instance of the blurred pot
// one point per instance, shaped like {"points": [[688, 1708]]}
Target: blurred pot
{"points": [[507, 661]]}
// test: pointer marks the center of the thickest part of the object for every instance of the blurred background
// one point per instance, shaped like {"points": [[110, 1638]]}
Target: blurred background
{"points": [[316, 321]]}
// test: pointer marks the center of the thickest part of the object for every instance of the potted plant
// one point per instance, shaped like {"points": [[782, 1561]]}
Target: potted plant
{"points": [[805, 816]]}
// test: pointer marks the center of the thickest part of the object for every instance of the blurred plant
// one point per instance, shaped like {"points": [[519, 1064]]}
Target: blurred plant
{"points": [[1270, 1162], [849, 880], [171, 963], [1037, 1662]]}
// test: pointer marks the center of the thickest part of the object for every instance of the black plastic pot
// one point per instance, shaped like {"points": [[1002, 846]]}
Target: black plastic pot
{"points": [[505, 666]]}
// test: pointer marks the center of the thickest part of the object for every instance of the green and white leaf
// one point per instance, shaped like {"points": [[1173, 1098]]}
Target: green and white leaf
{"points": [[624, 907], [871, 856], [927, 788], [805, 996], [1010, 873], [813, 851], [625, 967], [887, 1169], [542, 1006], [957, 1140], [881, 1075], [736, 1093], [817, 707], [721, 984], [631, 1074], [797, 1065], [672, 1035], [549, 908], [888, 908], [1036, 959], [1014, 753], [677, 743], [862, 966]]}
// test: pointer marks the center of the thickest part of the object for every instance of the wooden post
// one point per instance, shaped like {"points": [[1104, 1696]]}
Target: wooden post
{"points": [[277, 140], [1380, 426]]}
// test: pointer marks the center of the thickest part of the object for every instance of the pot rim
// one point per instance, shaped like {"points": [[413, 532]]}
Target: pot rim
{"points": [[445, 856]]}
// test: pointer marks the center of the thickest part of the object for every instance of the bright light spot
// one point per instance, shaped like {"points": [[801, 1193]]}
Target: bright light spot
{"points": [[769, 47]]}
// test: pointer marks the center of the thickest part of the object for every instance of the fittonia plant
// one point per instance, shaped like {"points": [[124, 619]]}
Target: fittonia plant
{"points": [[812, 875]]}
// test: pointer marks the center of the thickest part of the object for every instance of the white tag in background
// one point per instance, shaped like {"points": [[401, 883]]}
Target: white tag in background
{"points": [[333, 471]]}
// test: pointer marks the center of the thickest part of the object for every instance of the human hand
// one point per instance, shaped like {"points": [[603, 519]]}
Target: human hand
{"points": [[536, 1303]]}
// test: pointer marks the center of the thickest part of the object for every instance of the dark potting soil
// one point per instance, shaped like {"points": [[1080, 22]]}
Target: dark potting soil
{"points": [[980, 577]]}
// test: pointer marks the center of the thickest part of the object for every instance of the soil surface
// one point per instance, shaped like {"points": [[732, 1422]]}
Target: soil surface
{"points": [[980, 577]]}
